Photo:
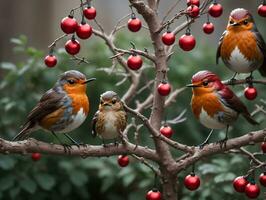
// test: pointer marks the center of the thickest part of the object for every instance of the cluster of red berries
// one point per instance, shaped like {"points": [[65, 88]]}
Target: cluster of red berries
{"points": [[69, 25], [251, 189]]}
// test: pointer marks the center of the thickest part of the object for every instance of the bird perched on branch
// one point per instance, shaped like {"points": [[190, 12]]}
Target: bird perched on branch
{"points": [[241, 46], [110, 120], [61, 109], [214, 104]]}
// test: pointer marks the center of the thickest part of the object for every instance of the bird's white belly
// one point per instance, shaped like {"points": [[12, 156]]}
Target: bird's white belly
{"points": [[110, 130], [239, 63], [78, 119], [210, 122]]}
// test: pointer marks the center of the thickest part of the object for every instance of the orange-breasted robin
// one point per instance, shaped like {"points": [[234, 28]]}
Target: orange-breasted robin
{"points": [[61, 109], [241, 46], [111, 119], [214, 104]]}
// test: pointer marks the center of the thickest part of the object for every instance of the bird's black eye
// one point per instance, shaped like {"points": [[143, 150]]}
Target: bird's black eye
{"points": [[231, 22], [71, 81], [101, 102], [245, 22], [113, 101], [205, 83]]}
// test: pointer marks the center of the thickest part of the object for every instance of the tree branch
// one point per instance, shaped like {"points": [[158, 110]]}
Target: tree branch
{"points": [[215, 148], [31, 145]]}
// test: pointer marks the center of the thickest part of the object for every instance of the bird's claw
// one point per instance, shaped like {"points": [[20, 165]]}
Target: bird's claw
{"points": [[203, 144], [67, 148], [232, 81], [223, 142]]}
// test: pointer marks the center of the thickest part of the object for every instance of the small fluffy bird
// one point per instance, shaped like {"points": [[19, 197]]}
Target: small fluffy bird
{"points": [[214, 104], [111, 119], [61, 109], [241, 46]]}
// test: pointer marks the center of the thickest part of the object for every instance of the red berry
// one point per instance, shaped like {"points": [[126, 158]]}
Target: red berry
{"points": [[262, 10], [154, 195], [134, 24], [187, 42], [36, 156], [208, 27], [263, 147], [69, 24], [50, 61], [240, 184], [134, 62], [164, 88], [193, 11], [252, 190], [215, 10], [192, 182], [72, 46], [168, 38], [166, 130], [250, 92], [123, 160], [84, 31], [263, 179], [193, 2], [89, 12]]}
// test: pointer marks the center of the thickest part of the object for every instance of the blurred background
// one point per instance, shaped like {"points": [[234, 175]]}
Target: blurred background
{"points": [[29, 26]]}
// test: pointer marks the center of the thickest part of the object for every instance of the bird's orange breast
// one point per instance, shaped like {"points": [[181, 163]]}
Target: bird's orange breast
{"points": [[209, 102], [79, 101], [244, 40]]}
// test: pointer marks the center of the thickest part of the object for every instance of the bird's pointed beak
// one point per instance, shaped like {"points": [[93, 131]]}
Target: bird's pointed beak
{"points": [[192, 85], [89, 80], [235, 24]]}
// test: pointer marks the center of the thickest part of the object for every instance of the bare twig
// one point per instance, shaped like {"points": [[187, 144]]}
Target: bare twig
{"points": [[145, 162], [56, 40]]}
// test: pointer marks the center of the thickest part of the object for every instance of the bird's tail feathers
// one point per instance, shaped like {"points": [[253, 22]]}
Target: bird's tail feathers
{"points": [[250, 119], [27, 129], [262, 69]]}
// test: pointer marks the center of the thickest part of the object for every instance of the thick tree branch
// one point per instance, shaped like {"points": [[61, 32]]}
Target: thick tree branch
{"points": [[215, 148], [31, 145]]}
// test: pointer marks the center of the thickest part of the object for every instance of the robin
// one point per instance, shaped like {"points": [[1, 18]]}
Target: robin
{"points": [[61, 109], [111, 119], [241, 46], [214, 104]]}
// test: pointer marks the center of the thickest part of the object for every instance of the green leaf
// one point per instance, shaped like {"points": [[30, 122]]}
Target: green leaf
{"points": [[224, 177], [28, 185], [207, 169], [6, 182], [78, 178], [107, 183], [7, 162], [45, 181], [8, 66], [127, 180], [14, 192]]}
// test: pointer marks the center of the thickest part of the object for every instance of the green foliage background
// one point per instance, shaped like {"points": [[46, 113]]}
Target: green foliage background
{"points": [[54, 177]]}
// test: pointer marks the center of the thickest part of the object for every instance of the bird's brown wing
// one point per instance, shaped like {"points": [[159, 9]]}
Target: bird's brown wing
{"points": [[94, 121], [261, 44], [233, 102], [49, 102], [218, 52]]}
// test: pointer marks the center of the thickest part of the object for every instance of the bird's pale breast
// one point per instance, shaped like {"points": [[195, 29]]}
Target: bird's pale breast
{"points": [[240, 52]]}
